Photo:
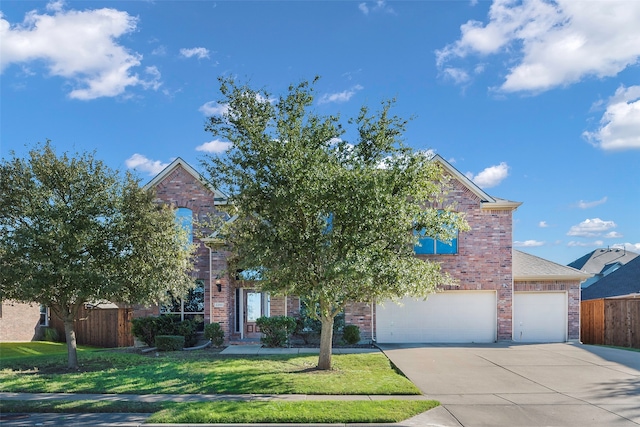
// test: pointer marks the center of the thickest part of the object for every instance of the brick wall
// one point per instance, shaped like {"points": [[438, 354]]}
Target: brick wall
{"points": [[484, 258], [572, 287], [361, 315], [182, 190], [19, 322]]}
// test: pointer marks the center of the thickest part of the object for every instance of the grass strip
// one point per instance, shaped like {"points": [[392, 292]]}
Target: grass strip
{"points": [[384, 411]]}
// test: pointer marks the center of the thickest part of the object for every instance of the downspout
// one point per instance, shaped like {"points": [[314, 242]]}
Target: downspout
{"points": [[373, 336], [210, 289]]}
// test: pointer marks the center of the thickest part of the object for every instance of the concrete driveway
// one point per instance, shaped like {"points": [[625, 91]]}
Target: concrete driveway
{"points": [[510, 384]]}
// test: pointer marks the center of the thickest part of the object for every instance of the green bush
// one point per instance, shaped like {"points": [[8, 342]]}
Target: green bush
{"points": [[147, 328], [214, 332], [351, 334], [169, 342], [50, 334], [309, 327], [276, 330]]}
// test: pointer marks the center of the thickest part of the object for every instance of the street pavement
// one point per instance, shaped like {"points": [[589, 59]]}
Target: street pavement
{"points": [[533, 385]]}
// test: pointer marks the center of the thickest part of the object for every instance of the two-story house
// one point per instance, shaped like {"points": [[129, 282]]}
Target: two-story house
{"points": [[502, 294]]}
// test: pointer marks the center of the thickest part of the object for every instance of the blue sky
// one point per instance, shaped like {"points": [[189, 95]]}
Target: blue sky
{"points": [[536, 101]]}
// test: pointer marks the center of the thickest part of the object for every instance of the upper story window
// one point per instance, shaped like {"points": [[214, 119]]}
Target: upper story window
{"points": [[184, 216], [431, 246]]}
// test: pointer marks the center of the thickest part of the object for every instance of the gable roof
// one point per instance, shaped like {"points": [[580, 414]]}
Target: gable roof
{"points": [[487, 201], [623, 281], [530, 267], [219, 197], [596, 261]]}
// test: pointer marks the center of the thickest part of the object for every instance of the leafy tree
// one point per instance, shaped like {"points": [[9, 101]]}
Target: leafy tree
{"points": [[331, 221], [73, 231]]}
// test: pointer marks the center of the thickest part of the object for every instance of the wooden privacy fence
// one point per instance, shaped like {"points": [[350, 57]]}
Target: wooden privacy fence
{"points": [[610, 321], [101, 327]]}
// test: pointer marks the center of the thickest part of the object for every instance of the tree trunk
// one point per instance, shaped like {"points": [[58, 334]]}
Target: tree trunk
{"points": [[326, 340], [70, 333]]}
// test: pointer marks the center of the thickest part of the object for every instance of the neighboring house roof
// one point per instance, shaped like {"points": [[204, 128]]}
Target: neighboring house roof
{"points": [[623, 281], [527, 267], [219, 197], [487, 201], [597, 261]]}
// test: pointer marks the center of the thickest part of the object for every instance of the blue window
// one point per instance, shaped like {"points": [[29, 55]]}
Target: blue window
{"points": [[184, 216], [431, 246]]}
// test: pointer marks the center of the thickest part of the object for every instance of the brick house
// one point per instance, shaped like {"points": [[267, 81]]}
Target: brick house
{"points": [[502, 294]]}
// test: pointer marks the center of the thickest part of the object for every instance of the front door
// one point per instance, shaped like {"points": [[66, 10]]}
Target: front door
{"points": [[253, 308]]}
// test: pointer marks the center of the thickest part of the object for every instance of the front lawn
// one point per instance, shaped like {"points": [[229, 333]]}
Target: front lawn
{"points": [[203, 372], [41, 367]]}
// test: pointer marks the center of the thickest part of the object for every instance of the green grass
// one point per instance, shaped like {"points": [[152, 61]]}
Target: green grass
{"points": [[203, 372], [386, 411], [12, 350], [41, 367]]}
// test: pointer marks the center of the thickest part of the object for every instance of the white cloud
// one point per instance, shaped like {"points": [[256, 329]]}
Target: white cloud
{"points": [[491, 176], [212, 108], [553, 43], [586, 205], [543, 224], [613, 235], [79, 46], [620, 124], [199, 52], [159, 51], [378, 6], [528, 244], [343, 96], [633, 247], [215, 146], [591, 227], [595, 244], [458, 75], [141, 163]]}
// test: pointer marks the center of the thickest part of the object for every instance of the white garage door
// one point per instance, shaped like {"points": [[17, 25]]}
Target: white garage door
{"points": [[540, 316], [446, 317]]}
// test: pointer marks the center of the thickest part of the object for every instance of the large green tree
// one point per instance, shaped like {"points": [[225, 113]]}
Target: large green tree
{"points": [[322, 218], [73, 231]]}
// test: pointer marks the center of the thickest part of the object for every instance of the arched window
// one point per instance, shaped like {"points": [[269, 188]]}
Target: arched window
{"points": [[184, 216]]}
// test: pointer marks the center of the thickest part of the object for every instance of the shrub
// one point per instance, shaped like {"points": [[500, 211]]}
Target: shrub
{"points": [[169, 342], [50, 334], [276, 330], [214, 332], [309, 327], [351, 334], [147, 328]]}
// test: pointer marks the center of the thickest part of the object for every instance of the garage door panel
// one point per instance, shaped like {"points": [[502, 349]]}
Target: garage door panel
{"points": [[447, 317], [540, 317]]}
